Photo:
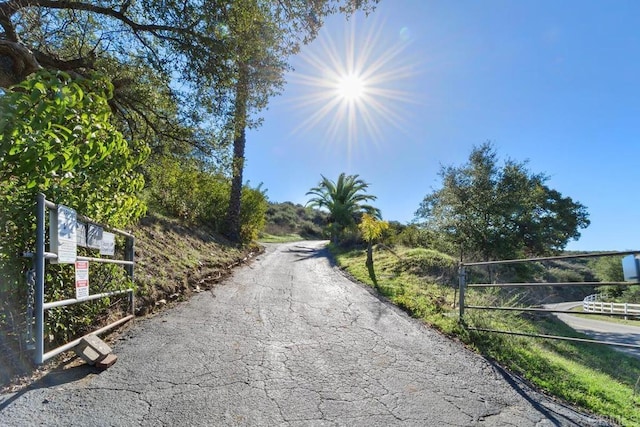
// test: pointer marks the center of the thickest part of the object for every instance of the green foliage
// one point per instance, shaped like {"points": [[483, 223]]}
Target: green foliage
{"points": [[252, 213], [494, 212], [608, 268], [56, 138], [344, 199], [183, 187], [372, 228]]}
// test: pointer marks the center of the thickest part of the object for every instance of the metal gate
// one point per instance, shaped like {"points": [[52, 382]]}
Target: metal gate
{"points": [[464, 286], [36, 306]]}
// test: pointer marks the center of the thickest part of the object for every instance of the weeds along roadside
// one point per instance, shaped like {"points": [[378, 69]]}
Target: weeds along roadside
{"points": [[595, 377]]}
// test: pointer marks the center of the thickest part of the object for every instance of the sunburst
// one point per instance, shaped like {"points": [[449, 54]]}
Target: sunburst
{"points": [[351, 91]]}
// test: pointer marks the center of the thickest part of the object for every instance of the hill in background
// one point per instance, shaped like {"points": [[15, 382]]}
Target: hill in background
{"points": [[285, 219]]}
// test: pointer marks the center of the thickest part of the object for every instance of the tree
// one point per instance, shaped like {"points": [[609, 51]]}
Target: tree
{"points": [[495, 212], [609, 269], [138, 45], [262, 37], [344, 199], [372, 229]]}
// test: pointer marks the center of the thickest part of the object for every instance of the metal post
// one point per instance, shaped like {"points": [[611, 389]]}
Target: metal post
{"points": [[462, 285], [130, 256], [39, 267]]}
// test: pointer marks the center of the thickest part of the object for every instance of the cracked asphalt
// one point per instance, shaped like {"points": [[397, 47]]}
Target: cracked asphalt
{"points": [[286, 341]]}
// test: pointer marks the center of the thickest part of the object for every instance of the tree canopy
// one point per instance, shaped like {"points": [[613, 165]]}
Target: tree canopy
{"points": [[187, 51], [345, 200], [499, 212], [186, 75]]}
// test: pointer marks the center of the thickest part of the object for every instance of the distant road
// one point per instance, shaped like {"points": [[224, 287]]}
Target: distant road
{"points": [[599, 329], [287, 341]]}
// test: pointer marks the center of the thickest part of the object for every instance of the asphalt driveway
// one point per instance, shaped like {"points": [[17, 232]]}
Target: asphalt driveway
{"points": [[287, 341]]}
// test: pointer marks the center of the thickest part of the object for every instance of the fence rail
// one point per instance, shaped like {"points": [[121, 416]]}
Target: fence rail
{"points": [[611, 307], [36, 305], [592, 307]]}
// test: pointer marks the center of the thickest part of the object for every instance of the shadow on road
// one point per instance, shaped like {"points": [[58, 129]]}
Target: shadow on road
{"points": [[52, 379], [526, 392], [303, 253]]}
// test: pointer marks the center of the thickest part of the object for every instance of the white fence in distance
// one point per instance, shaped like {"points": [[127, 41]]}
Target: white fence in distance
{"points": [[590, 304]]}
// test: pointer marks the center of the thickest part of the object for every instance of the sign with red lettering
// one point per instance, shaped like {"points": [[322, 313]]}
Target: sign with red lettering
{"points": [[82, 279]]}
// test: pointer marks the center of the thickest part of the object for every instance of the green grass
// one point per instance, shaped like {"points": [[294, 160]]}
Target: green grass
{"points": [[270, 238], [594, 377]]}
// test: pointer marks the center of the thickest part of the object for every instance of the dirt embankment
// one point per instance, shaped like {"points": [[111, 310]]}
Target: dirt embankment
{"points": [[174, 260]]}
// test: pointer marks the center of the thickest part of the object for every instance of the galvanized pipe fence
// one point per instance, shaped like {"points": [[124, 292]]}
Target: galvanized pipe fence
{"points": [[36, 305], [463, 286]]}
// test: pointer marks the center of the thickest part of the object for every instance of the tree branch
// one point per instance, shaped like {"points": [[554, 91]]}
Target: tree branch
{"points": [[16, 61]]}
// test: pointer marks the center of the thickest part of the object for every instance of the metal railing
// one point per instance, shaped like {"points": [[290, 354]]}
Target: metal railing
{"points": [[463, 286], [39, 306]]}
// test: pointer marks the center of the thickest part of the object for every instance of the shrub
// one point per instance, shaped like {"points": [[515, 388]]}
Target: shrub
{"points": [[183, 187]]}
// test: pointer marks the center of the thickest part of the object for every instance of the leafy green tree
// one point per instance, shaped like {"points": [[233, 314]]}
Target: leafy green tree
{"points": [[56, 138], [497, 212], [345, 200], [609, 269], [371, 229], [186, 188]]}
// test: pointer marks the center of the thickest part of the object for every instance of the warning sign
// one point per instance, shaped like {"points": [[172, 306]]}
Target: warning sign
{"points": [[82, 279]]}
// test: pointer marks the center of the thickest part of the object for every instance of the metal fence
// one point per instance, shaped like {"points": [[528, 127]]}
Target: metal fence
{"points": [[36, 306], [464, 286]]}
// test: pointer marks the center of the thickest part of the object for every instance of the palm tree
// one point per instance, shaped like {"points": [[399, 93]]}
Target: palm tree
{"points": [[344, 199]]}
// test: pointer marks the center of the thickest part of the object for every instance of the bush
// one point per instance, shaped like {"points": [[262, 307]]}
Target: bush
{"points": [[182, 187]]}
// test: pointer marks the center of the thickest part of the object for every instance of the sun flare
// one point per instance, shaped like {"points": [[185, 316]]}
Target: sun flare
{"points": [[351, 87], [353, 91]]}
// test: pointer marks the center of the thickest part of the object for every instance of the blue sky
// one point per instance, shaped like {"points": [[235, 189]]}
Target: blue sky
{"points": [[556, 83]]}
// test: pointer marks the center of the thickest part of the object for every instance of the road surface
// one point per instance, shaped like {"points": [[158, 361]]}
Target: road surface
{"points": [[287, 341], [599, 329]]}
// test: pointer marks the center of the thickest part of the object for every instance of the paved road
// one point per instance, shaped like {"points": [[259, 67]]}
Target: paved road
{"points": [[287, 341], [600, 330]]}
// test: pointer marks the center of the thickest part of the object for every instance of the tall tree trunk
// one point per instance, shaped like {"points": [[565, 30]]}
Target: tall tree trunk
{"points": [[232, 228]]}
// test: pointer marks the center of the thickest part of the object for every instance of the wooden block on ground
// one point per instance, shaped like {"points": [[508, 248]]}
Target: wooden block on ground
{"points": [[92, 349], [108, 361]]}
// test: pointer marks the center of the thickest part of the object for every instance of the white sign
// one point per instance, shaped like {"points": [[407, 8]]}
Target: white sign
{"points": [[108, 246], [82, 234], [94, 236], [82, 279], [63, 227]]}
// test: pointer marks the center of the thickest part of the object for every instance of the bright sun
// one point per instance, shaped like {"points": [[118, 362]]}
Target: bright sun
{"points": [[351, 87]]}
